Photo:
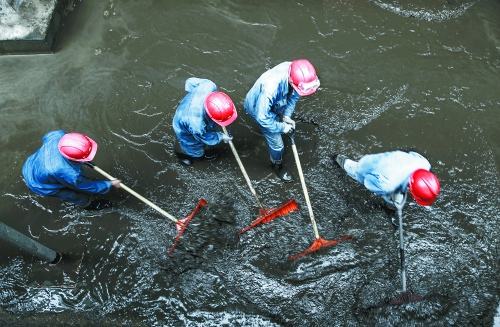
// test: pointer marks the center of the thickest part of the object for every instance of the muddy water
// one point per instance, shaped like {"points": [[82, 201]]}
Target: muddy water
{"points": [[394, 74]]}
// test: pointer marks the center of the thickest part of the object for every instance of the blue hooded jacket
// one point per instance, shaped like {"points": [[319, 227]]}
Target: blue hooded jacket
{"points": [[191, 124], [389, 172], [46, 171], [270, 97]]}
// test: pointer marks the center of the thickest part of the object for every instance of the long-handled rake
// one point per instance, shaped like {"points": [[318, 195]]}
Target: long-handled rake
{"points": [[404, 296], [180, 224], [265, 215], [319, 242]]}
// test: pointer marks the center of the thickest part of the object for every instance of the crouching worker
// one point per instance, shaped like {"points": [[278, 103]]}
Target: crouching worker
{"points": [[391, 174], [55, 170], [196, 118]]}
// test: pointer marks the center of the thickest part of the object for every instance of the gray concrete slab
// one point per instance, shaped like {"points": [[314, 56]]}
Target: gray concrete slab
{"points": [[29, 26]]}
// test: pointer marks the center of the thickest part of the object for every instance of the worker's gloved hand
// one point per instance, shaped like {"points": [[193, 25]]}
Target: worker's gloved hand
{"points": [[288, 128], [289, 120], [226, 138], [398, 199], [116, 183]]}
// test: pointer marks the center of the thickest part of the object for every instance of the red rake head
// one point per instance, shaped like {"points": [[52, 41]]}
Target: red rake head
{"points": [[182, 224], [271, 214], [406, 297], [318, 244]]}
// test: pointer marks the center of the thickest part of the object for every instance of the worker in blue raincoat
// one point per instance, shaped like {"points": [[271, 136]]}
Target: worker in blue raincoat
{"points": [[271, 102], [55, 170], [196, 119], [391, 174]]}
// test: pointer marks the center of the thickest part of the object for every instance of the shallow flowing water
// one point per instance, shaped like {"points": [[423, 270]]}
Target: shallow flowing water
{"points": [[394, 74]]}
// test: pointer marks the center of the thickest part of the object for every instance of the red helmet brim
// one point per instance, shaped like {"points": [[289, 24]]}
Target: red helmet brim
{"points": [[227, 121]]}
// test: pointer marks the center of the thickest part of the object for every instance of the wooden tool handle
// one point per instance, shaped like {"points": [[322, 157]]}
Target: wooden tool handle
{"points": [[242, 168], [304, 187], [134, 193]]}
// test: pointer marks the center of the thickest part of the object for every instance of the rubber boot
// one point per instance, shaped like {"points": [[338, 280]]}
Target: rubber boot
{"points": [[214, 152], [282, 172], [340, 160], [99, 204], [188, 161], [184, 159], [209, 155]]}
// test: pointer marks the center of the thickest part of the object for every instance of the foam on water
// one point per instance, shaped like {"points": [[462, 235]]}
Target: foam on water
{"points": [[412, 10]]}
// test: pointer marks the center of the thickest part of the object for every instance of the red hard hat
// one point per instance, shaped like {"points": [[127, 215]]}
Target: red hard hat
{"points": [[424, 187], [220, 108], [303, 77], [77, 147]]}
